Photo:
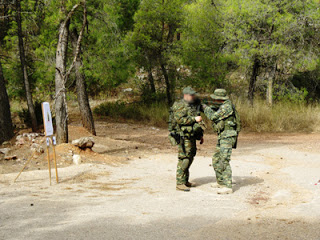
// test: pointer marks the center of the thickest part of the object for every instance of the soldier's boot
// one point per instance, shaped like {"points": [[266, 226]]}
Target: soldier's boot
{"points": [[216, 185], [182, 187], [189, 184], [225, 190]]}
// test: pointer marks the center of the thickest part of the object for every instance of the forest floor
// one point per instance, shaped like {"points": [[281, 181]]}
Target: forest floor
{"points": [[125, 189]]}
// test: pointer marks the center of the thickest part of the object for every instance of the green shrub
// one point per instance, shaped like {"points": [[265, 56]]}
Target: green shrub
{"points": [[154, 114]]}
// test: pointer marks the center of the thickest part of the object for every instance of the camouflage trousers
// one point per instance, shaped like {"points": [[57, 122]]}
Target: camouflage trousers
{"points": [[221, 161], [186, 151]]}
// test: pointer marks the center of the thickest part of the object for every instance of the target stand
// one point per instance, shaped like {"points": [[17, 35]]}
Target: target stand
{"points": [[50, 141]]}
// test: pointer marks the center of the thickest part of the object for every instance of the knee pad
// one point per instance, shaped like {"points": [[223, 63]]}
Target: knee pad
{"points": [[185, 164]]}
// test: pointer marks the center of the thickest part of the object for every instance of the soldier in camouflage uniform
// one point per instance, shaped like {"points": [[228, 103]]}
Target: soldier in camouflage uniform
{"points": [[186, 118], [227, 126]]}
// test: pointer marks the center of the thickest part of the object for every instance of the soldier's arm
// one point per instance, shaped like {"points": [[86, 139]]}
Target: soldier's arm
{"points": [[182, 117], [224, 111]]}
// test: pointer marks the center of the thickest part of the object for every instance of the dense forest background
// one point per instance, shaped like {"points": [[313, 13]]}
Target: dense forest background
{"points": [[264, 52]]}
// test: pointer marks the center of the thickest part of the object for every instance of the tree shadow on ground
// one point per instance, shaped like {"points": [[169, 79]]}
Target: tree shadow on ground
{"points": [[240, 181]]}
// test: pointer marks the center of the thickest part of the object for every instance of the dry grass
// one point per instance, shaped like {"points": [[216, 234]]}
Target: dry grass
{"points": [[281, 117]]}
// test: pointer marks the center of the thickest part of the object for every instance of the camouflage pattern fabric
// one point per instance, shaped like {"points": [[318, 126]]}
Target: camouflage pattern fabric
{"points": [[184, 114], [224, 111], [223, 121], [185, 159], [221, 161]]}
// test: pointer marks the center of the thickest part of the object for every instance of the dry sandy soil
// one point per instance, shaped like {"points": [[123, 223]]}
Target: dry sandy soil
{"points": [[125, 189]]}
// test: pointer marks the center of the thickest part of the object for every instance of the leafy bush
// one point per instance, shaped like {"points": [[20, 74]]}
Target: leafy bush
{"points": [[154, 114]]}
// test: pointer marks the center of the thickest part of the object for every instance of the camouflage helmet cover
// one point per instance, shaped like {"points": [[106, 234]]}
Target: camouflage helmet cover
{"points": [[219, 94], [189, 90]]}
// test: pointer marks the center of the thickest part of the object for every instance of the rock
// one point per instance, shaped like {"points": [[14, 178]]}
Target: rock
{"points": [[20, 140], [84, 142], [127, 90], [76, 159], [35, 147], [10, 157], [18, 137], [6, 143], [5, 151], [30, 136]]}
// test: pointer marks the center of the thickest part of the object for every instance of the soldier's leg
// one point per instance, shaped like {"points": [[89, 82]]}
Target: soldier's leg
{"points": [[192, 150], [181, 173], [226, 150], [186, 155], [216, 164]]}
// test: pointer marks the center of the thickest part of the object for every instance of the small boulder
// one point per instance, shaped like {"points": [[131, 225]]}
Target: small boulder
{"points": [[20, 140], [10, 157], [127, 90], [19, 136], [33, 136], [84, 142], [6, 143], [35, 147], [5, 151], [76, 159]]}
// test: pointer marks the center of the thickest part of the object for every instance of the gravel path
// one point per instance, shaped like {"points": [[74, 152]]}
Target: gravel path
{"points": [[275, 196]]}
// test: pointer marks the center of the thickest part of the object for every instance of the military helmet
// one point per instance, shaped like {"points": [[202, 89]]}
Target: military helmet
{"points": [[219, 94], [189, 90]]}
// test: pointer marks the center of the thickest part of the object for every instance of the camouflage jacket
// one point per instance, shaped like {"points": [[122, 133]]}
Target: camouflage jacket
{"points": [[223, 119], [184, 114]]}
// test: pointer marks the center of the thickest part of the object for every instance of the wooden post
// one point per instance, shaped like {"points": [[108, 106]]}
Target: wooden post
{"points": [[24, 166], [48, 130], [54, 157], [48, 156]]}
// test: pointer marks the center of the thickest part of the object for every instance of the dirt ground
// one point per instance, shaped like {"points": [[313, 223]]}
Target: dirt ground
{"points": [[125, 189]]}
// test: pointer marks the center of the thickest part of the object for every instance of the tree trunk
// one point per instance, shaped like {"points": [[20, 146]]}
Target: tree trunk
{"points": [[62, 75], [172, 73], [61, 103], [83, 101], [167, 81], [270, 91], [6, 128], [151, 81], [271, 78], [171, 69], [24, 69], [253, 79]]}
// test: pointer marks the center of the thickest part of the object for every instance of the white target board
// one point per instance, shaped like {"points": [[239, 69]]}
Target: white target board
{"points": [[47, 119]]}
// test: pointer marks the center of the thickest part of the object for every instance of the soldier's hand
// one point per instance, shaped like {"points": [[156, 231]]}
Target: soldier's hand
{"points": [[202, 140], [203, 107], [198, 119]]}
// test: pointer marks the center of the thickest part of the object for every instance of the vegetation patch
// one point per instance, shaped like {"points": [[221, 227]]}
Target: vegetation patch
{"points": [[283, 116], [156, 114]]}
